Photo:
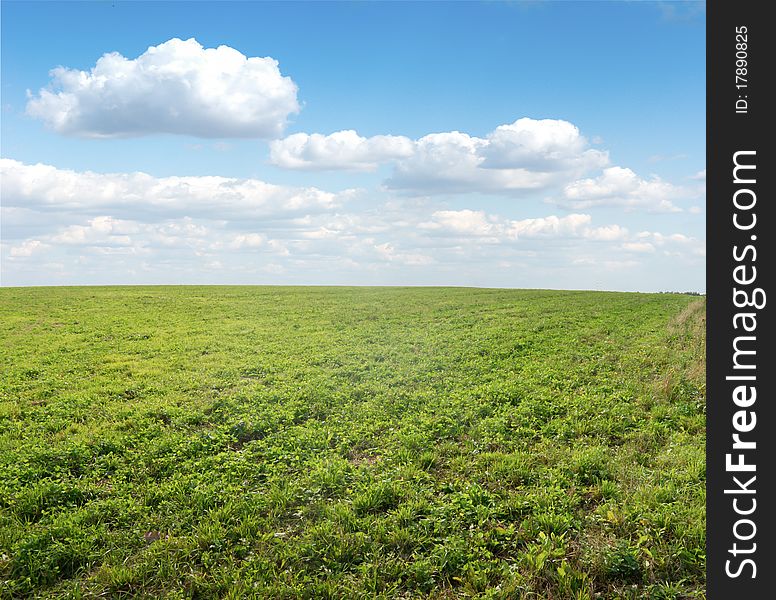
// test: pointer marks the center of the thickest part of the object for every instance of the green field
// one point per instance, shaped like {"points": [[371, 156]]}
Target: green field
{"points": [[280, 442]]}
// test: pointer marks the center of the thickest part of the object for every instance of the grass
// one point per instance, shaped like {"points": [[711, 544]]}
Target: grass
{"points": [[270, 442]]}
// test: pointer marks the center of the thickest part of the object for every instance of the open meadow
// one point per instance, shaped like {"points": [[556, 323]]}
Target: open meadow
{"points": [[313, 442]]}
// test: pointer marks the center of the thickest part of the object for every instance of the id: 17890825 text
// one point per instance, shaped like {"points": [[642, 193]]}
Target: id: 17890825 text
{"points": [[742, 70]]}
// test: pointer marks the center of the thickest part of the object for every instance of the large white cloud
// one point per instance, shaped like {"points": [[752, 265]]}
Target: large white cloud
{"points": [[509, 160], [140, 195], [528, 154], [618, 186], [544, 145], [177, 87], [451, 162], [340, 150]]}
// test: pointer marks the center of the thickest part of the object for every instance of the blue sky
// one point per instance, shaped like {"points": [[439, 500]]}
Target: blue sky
{"points": [[570, 150]]}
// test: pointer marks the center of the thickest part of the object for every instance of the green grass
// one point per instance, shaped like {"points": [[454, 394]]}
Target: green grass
{"points": [[269, 442]]}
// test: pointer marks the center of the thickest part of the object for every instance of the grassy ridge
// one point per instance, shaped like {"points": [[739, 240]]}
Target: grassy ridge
{"points": [[351, 443]]}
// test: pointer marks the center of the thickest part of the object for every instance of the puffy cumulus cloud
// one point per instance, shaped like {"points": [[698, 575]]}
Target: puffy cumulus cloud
{"points": [[521, 158], [525, 155], [177, 87], [45, 187], [618, 186], [339, 150], [545, 145], [700, 175], [448, 163], [528, 154]]}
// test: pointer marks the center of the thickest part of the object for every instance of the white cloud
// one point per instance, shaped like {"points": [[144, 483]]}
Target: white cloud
{"points": [[524, 157], [476, 224], [108, 234], [512, 156], [373, 246], [339, 150], [465, 222], [177, 87], [102, 230], [607, 233], [247, 240], [139, 194], [27, 248], [700, 175], [509, 161], [451, 163], [388, 252], [545, 145], [676, 245], [618, 186], [574, 225], [528, 154], [135, 228]]}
